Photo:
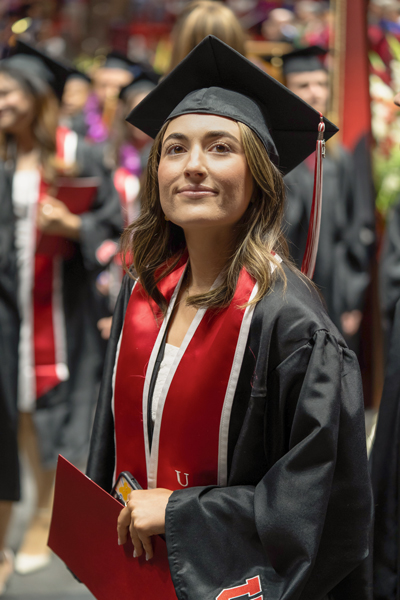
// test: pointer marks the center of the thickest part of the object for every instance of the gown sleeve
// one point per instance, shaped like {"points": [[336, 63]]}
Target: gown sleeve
{"points": [[101, 461], [305, 525]]}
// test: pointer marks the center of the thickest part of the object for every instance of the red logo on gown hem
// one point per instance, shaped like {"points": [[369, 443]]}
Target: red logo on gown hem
{"points": [[250, 588]]}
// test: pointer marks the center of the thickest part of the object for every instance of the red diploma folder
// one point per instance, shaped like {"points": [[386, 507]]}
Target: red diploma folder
{"points": [[83, 534], [78, 195]]}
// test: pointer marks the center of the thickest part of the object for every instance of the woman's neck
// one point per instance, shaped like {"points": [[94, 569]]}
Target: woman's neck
{"points": [[209, 252], [27, 158], [25, 142]]}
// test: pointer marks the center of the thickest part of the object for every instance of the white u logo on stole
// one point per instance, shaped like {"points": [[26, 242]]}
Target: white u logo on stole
{"points": [[178, 476]]}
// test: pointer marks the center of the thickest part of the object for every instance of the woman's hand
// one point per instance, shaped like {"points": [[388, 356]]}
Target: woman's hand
{"points": [[142, 517], [104, 326], [54, 218]]}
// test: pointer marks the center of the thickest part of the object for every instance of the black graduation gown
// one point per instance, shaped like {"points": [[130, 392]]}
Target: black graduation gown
{"points": [[9, 337], [390, 267], [64, 414], [342, 266], [297, 508], [385, 474]]}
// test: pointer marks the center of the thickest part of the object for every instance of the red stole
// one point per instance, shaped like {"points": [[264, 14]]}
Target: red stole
{"points": [[190, 437], [49, 342]]}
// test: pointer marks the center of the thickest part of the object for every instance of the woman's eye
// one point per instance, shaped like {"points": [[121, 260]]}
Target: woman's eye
{"points": [[175, 149], [221, 148]]}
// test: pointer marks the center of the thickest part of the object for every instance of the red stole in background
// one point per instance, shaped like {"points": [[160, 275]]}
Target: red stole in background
{"points": [[49, 341], [190, 437]]}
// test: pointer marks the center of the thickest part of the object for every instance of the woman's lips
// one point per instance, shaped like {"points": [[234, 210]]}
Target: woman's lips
{"points": [[199, 192]]}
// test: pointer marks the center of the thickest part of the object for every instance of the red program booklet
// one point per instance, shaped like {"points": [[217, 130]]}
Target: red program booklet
{"points": [[78, 195], [83, 534]]}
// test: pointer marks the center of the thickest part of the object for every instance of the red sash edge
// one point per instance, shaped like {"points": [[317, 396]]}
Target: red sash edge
{"points": [[206, 368]]}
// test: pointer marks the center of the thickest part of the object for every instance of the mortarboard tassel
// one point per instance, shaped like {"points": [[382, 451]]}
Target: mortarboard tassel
{"points": [[310, 254]]}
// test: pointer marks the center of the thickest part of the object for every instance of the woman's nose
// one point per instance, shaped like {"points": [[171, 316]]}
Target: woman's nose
{"points": [[195, 164]]}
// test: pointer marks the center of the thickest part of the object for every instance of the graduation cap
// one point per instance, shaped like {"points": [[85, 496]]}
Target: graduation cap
{"points": [[36, 66], [215, 79], [304, 60], [146, 81], [77, 74], [117, 60]]}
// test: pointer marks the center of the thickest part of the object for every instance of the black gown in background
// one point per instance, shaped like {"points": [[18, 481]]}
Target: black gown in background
{"points": [[64, 414], [297, 508], [390, 268], [385, 475], [342, 266], [9, 337]]}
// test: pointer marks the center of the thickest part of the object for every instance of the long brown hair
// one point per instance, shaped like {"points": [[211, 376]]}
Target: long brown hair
{"points": [[200, 19], [157, 245], [44, 125]]}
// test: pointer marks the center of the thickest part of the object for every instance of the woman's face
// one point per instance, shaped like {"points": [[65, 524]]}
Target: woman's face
{"points": [[17, 108], [203, 175]]}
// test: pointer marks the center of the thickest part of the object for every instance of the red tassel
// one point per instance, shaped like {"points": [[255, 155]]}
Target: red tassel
{"points": [[310, 254]]}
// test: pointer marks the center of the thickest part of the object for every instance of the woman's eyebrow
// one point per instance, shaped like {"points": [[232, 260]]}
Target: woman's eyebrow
{"points": [[218, 134], [209, 134], [176, 136]]}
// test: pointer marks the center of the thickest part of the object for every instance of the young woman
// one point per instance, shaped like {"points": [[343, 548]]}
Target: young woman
{"points": [[228, 393], [59, 349]]}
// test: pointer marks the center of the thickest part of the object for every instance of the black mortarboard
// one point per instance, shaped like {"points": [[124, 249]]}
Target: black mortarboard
{"points": [[117, 60], [304, 60], [77, 74], [215, 79], [36, 67], [145, 81]]}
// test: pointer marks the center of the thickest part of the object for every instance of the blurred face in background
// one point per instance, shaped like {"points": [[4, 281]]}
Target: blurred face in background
{"points": [[139, 138], [391, 12], [279, 23], [17, 107], [76, 92], [107, 83], [312, 87]]}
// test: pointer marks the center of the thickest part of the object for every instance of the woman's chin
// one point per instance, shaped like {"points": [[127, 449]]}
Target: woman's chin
{"points": [[198, 222]]}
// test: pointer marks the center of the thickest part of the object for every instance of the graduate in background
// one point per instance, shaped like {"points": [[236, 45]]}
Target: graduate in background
{"points": [[227, 391], [60, 353], [76, 92], [107, 82], [9, 337], [385, 462], [342, 268], [201, 18]]}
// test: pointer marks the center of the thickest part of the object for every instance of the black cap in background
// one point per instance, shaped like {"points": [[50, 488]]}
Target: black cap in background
{"points": [[36, 67], [146, 80], [215, 79], [117, 60], [304, 60], [77, 74]]}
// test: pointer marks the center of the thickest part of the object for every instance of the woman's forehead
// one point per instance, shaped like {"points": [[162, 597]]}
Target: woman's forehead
{"points": [[7, 80], [198, 124]]}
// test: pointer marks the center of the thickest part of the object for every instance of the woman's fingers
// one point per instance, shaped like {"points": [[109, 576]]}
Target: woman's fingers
{"points": [[123, 523], [143, 517], [137, 544], [146, 543]]}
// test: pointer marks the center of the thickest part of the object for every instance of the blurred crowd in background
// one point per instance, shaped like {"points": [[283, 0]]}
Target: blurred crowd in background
{"points": [[119, 52]]}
